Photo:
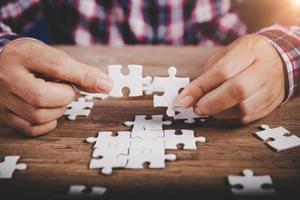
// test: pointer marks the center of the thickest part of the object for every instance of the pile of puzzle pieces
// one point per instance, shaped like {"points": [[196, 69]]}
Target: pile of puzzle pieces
{"points": [[145, 143]]}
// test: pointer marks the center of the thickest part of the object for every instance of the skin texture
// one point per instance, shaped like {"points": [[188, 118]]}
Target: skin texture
{"points": [[241, 83], [36, 85]]}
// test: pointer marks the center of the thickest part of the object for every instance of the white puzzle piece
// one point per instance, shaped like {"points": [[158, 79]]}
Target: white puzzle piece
{"points": [[187, 114], [140, 124], [9, 165], [148, 86], [171, 86], [81, 107], [90, 96], [110, 158], [105, 139], [134, 80], [149, 142], [78, 191], [282, 139], [187, 139], [251, 185], [156, 158]]}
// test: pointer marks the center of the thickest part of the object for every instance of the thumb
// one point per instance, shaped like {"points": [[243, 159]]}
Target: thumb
{"points": [[57, 64]]}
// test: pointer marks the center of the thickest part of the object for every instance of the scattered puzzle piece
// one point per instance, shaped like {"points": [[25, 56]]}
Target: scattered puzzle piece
{"points": [[90, 96], [187, 139], [140, 124], [171, 86], [81, 107], [9, 165], [110, 158], [251, 185], [187, 114], [78, 191], [282, 141], [134, 80], [105, 139]]}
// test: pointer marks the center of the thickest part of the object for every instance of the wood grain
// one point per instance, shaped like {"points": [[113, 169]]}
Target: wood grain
{"points": [[61, 158]]}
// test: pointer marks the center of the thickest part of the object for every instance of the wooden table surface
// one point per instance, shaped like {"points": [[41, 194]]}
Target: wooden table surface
{"points": [[61, 158]]}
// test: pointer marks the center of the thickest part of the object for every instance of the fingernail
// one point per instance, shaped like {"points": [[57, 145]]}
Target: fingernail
{"points": [[198, 111], [103, 84], [186, 101]]}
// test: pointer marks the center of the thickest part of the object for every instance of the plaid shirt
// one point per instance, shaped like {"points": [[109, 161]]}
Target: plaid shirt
{"points": [[118, 22]]}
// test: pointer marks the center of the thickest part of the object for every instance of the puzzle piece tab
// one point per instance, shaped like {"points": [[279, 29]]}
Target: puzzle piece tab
{"points": [[90, 96], [251, 185], [281, 139], [134, 80], [81, 107], [187, 139], [171, 86], [9, 165]]}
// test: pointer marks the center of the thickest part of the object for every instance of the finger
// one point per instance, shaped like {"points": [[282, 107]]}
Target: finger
{"points": [[251, 104], [32, 114], [233, 91], [224, 69], [25, 127], [58, 64], [40, 93]]}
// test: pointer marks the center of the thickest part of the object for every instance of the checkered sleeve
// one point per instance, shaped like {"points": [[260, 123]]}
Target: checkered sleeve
{"points": [[287, 43], [6, 35]]}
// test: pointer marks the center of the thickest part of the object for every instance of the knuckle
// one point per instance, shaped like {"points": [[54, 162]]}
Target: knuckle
{"points": [[245, 120], [224, 71], [31, 131], [245, 108]]}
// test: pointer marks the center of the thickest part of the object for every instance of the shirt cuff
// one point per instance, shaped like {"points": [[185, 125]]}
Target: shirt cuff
{"points": [[287, 43]]}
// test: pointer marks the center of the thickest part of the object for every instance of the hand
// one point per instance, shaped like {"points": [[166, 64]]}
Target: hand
{"points": [[241, 83], [29, 102]]}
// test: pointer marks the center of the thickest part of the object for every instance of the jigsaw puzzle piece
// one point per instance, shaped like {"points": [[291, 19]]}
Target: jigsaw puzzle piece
{"points": [[9, 165], [281, 138], [141, 124], [151, 141], [81, 107], [186, 138], [187, 114], [106, 139], [148, 86], [156, 158], [251, 185], [90, 96], [78, 191], [171, 86], [134, 80], [110, 158]]}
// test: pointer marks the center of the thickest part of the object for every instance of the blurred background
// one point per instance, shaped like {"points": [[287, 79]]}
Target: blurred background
{"points": [[257, 14]]}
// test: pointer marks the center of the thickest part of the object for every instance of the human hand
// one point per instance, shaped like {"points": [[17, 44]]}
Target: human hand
{"points": [[241, 83], [35, 85]]}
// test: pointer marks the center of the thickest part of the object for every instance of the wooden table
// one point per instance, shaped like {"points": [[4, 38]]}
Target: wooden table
{"points": [[61, 158]]}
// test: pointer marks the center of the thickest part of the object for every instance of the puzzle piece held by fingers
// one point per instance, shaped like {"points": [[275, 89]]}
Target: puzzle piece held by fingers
{"points": [[81, 107], [90, 96], [9, 166], [148, 86], [187, 139], [282, 140], [251, 185], [187, 114], [171, 86], [134, 80]]}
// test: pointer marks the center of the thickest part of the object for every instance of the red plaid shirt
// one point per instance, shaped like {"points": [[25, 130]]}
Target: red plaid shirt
{"points": [[118, 22]]}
